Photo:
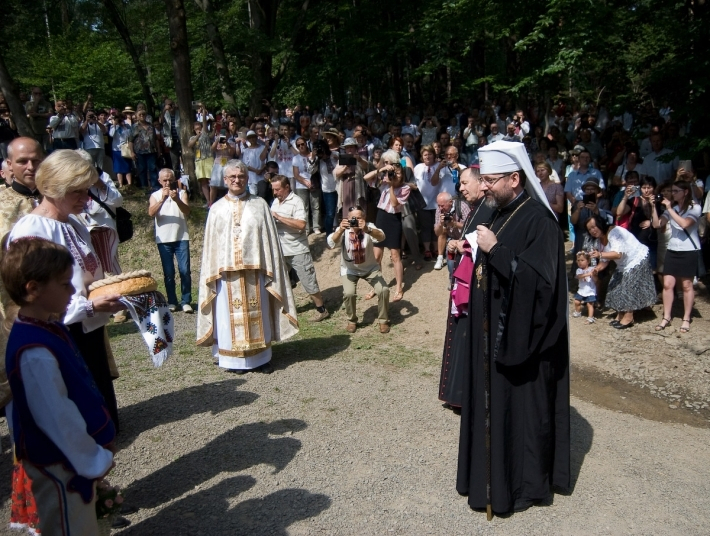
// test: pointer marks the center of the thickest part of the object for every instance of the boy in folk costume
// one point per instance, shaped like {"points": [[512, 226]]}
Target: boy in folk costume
{"points": [[61, 427]]}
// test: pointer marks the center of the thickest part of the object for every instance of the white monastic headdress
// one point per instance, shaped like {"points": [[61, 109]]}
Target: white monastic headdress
{"points": [[506, 157]]}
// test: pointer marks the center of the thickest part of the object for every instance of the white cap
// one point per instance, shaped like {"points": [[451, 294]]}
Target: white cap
{"points": [[506, 157]]}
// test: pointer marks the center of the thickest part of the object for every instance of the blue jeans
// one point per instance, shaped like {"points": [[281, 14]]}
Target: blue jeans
{"points": [[330, 203], [181, 251], [147, 170]]}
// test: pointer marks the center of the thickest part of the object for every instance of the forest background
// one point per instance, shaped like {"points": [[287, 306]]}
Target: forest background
{"points": [[235, 53]]}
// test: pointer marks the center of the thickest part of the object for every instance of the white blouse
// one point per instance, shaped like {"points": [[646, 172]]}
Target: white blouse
{"points": [[87, 266], [679, 239], [632, 251]]}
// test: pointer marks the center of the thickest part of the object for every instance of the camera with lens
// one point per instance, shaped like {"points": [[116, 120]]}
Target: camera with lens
{"points": [[390, 174], [448, 217], [659, 198], [354, 223], [321, 149]]}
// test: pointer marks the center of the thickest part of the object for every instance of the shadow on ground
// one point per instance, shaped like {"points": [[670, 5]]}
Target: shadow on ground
{"points": [[582, 436], [179, 405], [209, 511], [236, 450], [316, 348]]}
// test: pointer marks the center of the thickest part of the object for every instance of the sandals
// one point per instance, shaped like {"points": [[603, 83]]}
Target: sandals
{"points": [[398, 296], [685, 330], [662, 326], [370, 295]]}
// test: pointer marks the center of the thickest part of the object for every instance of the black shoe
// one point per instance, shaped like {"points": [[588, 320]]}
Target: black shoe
{"points": [[128, 509], [265, 368], [614, 323], [119, 522], [624, 326], [240, 372]]}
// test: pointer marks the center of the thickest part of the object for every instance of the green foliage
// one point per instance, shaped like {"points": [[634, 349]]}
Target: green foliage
{"points": [[622, 52]]}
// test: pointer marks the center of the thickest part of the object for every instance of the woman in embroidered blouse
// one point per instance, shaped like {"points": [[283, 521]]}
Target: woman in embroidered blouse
{"points": [[390, 179], [64, 179]]}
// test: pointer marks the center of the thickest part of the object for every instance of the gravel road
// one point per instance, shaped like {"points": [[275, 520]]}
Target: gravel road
{"points": [[348, 437]]}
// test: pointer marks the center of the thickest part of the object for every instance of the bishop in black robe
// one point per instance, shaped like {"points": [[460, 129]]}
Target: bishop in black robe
{"points": [[522, 300]]}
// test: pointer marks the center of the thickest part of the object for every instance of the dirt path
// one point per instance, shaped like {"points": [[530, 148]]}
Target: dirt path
{"points": [[348, 437]]}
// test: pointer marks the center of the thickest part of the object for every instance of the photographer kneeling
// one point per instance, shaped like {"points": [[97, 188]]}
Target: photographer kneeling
{"points": [[357, 261]]}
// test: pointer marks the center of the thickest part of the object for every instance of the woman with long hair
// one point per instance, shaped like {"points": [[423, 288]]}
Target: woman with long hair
{"points": [[681, 262]]}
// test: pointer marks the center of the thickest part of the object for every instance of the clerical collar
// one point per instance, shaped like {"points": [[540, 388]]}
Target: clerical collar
{"points": [[522, 196], [23, 190]]}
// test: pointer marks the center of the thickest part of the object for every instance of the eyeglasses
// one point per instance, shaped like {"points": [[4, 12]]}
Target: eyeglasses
{"points": [[300, 145], [491, 182]]}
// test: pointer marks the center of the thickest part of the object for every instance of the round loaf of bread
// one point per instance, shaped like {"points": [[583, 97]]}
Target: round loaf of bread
{"points": [[127, 284]]}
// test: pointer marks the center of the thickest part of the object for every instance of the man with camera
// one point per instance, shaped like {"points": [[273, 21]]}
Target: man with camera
{"points": [[171, 134], [448, 172], [169, 207], [65, 127], [92, 132], [324, 160], [290, 216], [39, 111], [357, 261], [577, 179], [350, 184], [451, 213]]}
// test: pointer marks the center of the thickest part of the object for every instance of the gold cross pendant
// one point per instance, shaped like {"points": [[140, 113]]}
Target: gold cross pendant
{"points": [[479, 275]]}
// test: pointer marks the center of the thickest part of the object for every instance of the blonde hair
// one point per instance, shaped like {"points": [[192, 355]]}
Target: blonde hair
{"points": [[63, 171]]}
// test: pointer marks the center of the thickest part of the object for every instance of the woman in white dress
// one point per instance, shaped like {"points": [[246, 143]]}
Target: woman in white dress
{"points": [[64, 179]]}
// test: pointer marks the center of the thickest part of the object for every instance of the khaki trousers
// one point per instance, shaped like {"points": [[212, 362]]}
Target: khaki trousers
{"points": [[381, 290], [61, 512]]}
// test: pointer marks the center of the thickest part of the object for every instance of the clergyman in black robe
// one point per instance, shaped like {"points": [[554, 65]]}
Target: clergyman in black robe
{"points": [[518, 305], [456, 342]]}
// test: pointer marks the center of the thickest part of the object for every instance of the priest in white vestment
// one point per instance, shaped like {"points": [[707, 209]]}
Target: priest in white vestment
{"points": [[245, 298]]}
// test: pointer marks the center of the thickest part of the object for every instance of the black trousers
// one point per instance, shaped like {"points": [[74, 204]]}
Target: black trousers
{"points": [[93, 349]]}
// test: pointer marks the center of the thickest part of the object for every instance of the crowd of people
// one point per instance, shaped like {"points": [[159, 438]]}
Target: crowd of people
{"points": [[488, 191]]}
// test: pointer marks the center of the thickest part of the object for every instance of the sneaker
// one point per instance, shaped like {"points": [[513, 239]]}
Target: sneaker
{"points": [[316, 231], [439, 263], [321, 316], [590, 320], [186, 308], [172, 307], [576, 314]]}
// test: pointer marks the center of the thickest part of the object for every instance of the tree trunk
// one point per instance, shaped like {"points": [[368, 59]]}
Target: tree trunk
{"points": [[182, 74], [19, 116], [122, 30], [220, 59], [262, 18]]}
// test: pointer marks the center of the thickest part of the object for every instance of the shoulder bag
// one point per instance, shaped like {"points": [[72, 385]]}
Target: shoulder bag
{"points": [[124, 225]]}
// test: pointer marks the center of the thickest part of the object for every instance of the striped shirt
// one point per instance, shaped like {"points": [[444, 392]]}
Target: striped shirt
{"points": [[401, 193]]}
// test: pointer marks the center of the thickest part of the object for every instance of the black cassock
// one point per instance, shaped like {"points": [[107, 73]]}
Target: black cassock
{"points": [[456, 342], [529, 365]]}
